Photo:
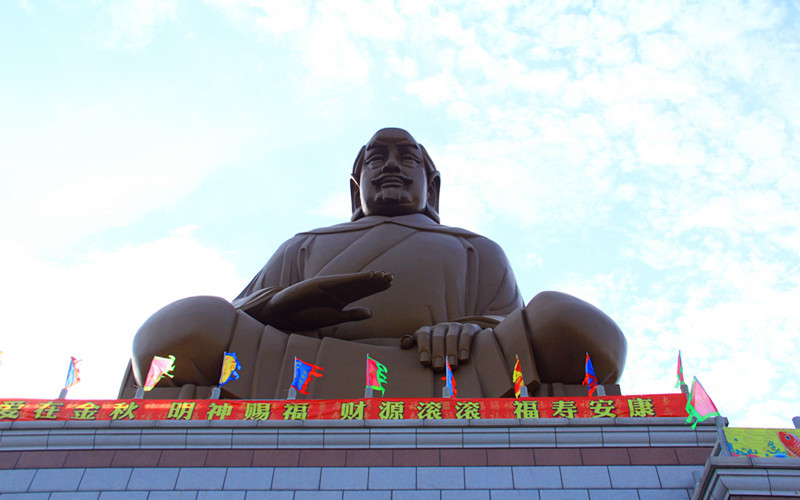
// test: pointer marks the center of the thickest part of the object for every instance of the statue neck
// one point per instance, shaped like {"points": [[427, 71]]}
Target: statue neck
{"points": [[417, 219]]}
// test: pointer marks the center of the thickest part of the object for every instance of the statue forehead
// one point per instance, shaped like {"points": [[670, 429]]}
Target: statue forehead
{"points": [[394, 135]]}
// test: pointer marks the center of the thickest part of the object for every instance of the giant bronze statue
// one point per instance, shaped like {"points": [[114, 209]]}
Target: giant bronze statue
{"points": [[395, 283]]}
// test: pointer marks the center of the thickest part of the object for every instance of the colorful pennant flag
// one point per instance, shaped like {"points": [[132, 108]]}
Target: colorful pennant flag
{"points": [[680, 372], [376, 374], [590, 379], [73, 373], [699, 406], [230, 365], [160, 367], [302, 374], [450, 381], [516, 376]]}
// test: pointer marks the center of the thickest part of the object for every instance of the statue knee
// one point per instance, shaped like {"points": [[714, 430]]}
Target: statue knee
{"points": [[196, 330], [563, 329]]}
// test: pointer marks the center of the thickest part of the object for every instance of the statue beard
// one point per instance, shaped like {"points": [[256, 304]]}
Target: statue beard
{"points": [[389, 193], [392, 196]]}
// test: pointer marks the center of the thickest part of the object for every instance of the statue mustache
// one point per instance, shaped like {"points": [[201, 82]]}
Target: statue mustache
{"points": [[389, 177]]}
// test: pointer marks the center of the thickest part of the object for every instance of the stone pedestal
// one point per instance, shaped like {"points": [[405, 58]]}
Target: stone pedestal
{"points": [[640, 458]]}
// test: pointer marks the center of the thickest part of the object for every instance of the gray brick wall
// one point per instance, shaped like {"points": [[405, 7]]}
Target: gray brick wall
{"points": [[499, 482], [643, 459]]}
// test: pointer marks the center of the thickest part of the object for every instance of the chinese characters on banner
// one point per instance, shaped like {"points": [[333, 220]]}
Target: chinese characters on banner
{"points": [[659, 405]]}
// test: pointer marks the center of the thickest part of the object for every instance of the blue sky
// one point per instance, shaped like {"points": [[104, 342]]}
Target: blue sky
{"points": [[643, 157]]}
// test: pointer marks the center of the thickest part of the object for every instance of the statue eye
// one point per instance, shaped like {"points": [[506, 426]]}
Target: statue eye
{"points": [[410, 159], [374, 159]]}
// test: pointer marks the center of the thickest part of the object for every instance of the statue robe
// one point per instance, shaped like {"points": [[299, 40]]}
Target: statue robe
{"points": [[441, 274]]}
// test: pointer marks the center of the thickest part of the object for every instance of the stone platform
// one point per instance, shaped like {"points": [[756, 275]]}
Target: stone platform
{"points": [[599, 458]]}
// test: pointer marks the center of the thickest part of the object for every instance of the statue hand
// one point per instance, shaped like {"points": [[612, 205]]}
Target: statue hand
{"points": [[453, 340], [321, 301]]}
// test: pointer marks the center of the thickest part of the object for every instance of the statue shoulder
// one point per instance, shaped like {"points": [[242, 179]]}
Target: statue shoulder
{"points": [[344, 227], [488, 250], [482, 243], [420, 222]]}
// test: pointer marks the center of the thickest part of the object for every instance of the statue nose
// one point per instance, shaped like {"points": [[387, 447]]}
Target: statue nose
{"points": [[391, 164]]}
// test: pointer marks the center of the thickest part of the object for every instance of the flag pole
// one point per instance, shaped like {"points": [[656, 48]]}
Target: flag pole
{"points": [[721, 423], [292, 393], [139, 393], [215, 392], [681, 383], [367, 388], [63, 394]]}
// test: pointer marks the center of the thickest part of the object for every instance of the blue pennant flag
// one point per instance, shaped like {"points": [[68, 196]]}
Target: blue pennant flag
{"points": [[591, 378], [303, 372], [450, 381], [73, 373]]}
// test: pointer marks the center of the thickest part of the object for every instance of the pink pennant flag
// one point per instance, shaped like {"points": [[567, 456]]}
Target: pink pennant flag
{"points": [[699, 406], [160, 367]]}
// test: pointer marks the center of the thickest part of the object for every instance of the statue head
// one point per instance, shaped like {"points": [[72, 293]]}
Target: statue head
{"points": [[394, 175]]}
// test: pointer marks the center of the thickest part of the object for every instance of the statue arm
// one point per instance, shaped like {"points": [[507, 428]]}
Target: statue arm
{"points": [[281, 297], [317, 302], [253, 302], [498, 294]]}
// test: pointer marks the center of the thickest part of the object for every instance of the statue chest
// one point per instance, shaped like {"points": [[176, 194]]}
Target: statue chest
{"points": [[433, 277]]}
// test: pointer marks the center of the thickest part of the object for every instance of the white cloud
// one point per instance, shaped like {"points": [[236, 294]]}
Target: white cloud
{"points": [[26, 6], [331, 55], [437, 89], [91, 309], [266, 16], [336, 207], [134, 22], [93, 174], [329, 36], [641, 17], [663, 51], [405, 66]]}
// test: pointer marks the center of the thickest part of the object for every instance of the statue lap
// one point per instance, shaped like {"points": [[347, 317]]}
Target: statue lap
{"points": [[551, 336]]}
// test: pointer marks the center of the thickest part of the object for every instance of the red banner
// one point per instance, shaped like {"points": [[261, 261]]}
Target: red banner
{"points": [[657, 405]]}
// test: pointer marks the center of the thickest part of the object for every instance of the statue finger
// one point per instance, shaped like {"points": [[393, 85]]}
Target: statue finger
{"points": [[468, 333], [357, 313], [379, 281], [382, 281], [451, 344], [437, 347], [423, 339]]}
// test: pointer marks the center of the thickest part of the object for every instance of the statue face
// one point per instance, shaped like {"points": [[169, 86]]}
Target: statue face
{"points": [[393, 179]]}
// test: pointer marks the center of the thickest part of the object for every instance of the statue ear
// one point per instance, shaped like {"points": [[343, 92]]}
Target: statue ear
{"points": [[355, 190], [434, 184]]}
